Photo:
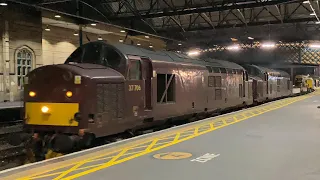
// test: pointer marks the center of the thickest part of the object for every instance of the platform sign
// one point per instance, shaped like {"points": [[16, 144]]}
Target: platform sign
{"points": [[172, 155]]}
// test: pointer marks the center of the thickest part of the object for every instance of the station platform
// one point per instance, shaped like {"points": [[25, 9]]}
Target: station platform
{"points": [[277, 140], [9, 105]]}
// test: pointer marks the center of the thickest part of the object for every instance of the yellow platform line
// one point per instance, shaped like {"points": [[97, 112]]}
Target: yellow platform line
{"points": [[187, 129], [166, 145]]}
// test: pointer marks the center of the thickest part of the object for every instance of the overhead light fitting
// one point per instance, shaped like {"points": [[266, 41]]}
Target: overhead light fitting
{"points": [[3, 4], [268, 45], [233, 47], [93, 24], [305, 2], [179, 44], [100, 38], [193, 53], [234, 39], [314, 45], [138, 44], [120, 40], [312, 14], [122, 31], [76, 33], [47, 28], [318, 22], [146, 36], [250, 38], [57, 16], [150, 46]]}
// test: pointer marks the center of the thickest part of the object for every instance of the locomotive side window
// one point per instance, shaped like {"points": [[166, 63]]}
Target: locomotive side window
{"points": [[223, 70], [92, 54], [165, 95], [216, 69], [76, 56], [209, 69], [135, 70]]}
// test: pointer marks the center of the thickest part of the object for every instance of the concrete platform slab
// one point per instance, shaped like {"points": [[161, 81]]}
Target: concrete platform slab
{"points": [[263, 142], [282, 144]]}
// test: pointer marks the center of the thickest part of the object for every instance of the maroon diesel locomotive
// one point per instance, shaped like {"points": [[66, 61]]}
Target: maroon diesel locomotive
{"points": [[105, 89]]}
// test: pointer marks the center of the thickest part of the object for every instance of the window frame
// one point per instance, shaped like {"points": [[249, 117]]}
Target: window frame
{"points": [[140, 70], [20, 75]]}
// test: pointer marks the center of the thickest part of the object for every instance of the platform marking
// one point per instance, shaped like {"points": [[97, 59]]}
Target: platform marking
{"points": [[171, 138], [205, 158], [172, 155]]}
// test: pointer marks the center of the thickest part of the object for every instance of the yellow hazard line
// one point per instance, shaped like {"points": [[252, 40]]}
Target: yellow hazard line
{"points": [[196, 133], [160, 141]]}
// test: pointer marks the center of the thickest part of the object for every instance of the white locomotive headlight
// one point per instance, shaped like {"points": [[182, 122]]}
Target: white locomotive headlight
{"points": [[44, 109]]}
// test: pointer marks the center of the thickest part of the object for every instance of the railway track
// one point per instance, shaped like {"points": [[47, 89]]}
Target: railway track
{"points": [[10, 156]]}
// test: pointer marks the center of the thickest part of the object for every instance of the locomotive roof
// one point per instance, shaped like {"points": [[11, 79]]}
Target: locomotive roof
{"points": [[169, 56], [269, 70]]}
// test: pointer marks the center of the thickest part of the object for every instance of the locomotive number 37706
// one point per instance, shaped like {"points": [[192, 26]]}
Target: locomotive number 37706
{"points": [[134, 88]]}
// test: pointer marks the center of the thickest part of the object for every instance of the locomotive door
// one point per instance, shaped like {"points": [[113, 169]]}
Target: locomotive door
{"points": [[135, 86], [255, 88], [147, 75]]}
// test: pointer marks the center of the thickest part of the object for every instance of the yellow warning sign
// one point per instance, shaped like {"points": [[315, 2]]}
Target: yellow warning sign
{"points": [[172, 155]]}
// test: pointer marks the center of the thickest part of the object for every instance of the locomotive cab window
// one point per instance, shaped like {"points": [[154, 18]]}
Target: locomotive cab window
{"points": [[135, 70]]}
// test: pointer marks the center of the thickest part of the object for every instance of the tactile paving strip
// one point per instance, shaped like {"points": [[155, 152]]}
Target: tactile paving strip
{"points": [[74, 170]]}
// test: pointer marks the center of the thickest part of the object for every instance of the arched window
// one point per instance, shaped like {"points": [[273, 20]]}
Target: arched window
{"points": [[24, 58]]}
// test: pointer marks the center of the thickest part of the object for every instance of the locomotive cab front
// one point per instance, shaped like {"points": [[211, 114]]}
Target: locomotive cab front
{"points": [[60, 100]]}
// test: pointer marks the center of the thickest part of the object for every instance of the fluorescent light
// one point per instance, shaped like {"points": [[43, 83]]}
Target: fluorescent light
{"points": [[305, 2], [250, 38], [146, 36], [193, 53], [3, 4], [150, 46], [312, 14], [93, 24], [57, 16], [318, 22], [122, 31], [268, 45], [179, 44], [100, 38], [233, 47], [120, 40], [314, 45], [47, 29], [138, 44], [76, 34]]}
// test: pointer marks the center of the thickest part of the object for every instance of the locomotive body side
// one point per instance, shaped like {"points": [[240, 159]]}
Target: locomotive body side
{"points": [[104, 90]]}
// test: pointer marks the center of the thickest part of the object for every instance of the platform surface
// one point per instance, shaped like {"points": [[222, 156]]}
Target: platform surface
{"points": [[279, 140], [7, 105]]}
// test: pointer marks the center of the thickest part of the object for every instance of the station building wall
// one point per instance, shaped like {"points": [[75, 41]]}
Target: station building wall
{"points": [[26, 45], [20, 51]]}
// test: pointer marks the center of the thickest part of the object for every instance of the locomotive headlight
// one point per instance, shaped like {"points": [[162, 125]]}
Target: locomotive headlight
{"points": [[68, 93], [32, 94], [44, 109]]}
